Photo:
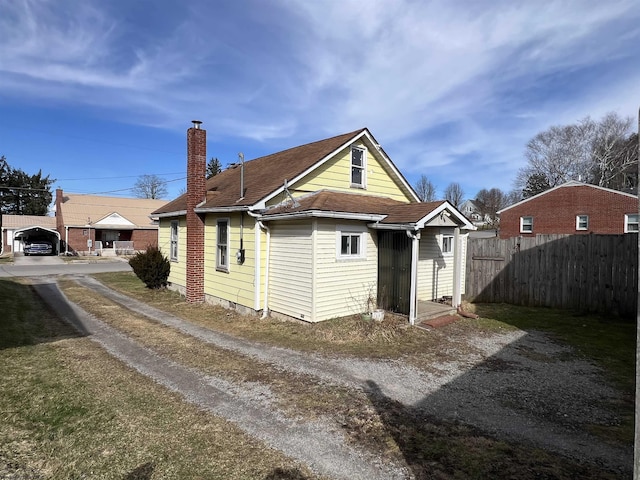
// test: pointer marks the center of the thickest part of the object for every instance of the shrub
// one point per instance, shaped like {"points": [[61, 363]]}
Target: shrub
{"points": [[151, 267]]}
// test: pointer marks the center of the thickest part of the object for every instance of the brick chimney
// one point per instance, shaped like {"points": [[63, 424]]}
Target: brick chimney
{"points": [[196, 194]]}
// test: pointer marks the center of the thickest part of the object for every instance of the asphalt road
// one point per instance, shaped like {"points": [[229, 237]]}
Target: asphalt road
{"points": [[47, 265]]}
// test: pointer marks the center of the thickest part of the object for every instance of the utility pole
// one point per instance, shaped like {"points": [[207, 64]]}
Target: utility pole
{"points": [[636, 442]]}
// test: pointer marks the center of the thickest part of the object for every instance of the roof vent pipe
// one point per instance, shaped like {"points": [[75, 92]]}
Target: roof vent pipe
{"points": [[196, 124], [241, 158]]}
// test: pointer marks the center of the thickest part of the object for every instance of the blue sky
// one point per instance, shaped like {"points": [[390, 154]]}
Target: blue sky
{"points": [[96, 93]]}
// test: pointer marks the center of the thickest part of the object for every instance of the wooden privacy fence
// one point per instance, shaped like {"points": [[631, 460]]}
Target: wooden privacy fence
{"points": [[593, 273]]}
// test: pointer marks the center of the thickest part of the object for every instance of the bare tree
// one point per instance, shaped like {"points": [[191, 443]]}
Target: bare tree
{"points": [[454, 194], [598, 152], [489, 202], [150, 186], [425, 189]]}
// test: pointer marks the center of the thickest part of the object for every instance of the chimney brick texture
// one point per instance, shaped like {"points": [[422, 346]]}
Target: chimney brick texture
{"points": [[196, 193]]}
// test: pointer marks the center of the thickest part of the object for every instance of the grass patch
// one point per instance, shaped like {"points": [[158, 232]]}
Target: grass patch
{"points": [[6, 259], [391, 338], [69, 410]]}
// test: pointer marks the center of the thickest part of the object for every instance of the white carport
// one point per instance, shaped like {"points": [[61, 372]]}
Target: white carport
{"points": [[23, 235]]}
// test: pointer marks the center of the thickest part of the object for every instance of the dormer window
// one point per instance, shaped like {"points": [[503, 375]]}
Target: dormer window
{"points": [[358, 166]]}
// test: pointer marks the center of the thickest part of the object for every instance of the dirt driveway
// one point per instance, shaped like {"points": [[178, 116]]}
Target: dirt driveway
{"points": [[515, 386]]}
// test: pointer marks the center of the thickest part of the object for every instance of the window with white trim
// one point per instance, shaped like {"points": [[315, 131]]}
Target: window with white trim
{"points": [[222, 245], [526, 224], [582, 222], [447, 244], [350, 243], [358, 166], [631, 224], [174, 241]]}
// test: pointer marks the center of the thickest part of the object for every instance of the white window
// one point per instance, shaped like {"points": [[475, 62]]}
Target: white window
{"points": [[358, 166], [350, 243], [631, 223], [526, 224], [447, 244], [174, 241], [222, 245], [582, 222]]}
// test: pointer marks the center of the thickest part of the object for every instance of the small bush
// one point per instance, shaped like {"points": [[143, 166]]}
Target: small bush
{"points": [[151, 267]]}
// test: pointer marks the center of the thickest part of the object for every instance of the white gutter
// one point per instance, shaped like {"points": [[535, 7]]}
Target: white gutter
{"points": [[221, 209], [171, 214], [413, 296], [324, 214]]}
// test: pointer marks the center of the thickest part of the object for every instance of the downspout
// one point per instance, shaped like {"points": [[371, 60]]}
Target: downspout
{"points": [[413, 300], [265, 307], [456, 299], [66, 240]]}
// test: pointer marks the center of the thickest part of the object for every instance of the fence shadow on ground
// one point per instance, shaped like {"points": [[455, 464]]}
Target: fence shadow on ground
{"points": [[531, 394]]}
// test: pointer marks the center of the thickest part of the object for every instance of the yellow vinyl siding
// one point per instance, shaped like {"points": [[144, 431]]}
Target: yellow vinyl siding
{"points": [[291, 270], [342, 286], [435, 270], [335, 174], [177, 274], [237, 285]]}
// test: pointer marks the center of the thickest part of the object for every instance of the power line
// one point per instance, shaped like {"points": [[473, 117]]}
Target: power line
{"points": [[112, 178]]}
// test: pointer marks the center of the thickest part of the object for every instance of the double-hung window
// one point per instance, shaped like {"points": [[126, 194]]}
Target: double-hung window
{"points": [[526, 224], [582, 222], [447, 244], [174, 241], [358, 166], [222, 245], [631, 224]]}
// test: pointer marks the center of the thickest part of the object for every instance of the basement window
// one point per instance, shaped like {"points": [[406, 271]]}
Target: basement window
{"points": [[526, 224], [222, 247], [582, 222]]}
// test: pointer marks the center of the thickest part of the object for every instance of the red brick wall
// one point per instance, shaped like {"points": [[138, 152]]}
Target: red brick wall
{"points": [[78, 240], [143, 238], [196, 193], [555, 212]]}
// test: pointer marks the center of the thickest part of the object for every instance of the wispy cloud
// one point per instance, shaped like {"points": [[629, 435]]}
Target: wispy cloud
{"points": [[443, 84]]}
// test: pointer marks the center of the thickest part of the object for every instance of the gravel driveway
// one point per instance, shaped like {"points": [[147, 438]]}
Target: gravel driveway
{"points": [[516, 386]]}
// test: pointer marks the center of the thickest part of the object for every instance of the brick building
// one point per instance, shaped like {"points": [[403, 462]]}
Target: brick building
{"points": [[572, 208], [89, 222]]}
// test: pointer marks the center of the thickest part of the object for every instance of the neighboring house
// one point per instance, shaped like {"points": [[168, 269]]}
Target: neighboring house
{"points": [[572, 208], [323, 230], [17, 229], [90, 224], [470, 210]]}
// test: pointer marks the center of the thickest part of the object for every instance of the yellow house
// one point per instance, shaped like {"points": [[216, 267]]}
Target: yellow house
{"points": [[323, 230]]}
